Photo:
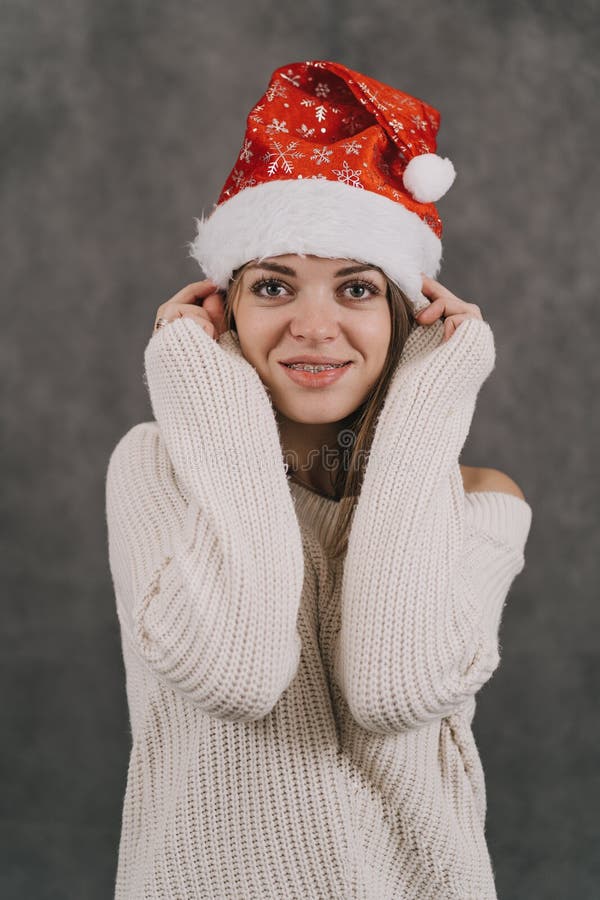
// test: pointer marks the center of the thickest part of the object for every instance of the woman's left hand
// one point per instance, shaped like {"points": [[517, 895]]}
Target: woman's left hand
{"points": [[445, 305]]}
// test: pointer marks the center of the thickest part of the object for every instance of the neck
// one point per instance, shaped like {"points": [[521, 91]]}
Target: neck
{"points": [[312, 452]]}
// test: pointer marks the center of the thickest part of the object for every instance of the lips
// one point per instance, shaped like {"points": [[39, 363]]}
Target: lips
{"points": [[320, 379], [315, 365]]}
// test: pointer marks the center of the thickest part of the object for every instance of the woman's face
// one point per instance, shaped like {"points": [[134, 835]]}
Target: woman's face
{"points": [[295, 306]]}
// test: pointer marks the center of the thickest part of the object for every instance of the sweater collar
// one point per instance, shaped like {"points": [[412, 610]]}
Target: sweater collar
{"points": [[315, 512]]}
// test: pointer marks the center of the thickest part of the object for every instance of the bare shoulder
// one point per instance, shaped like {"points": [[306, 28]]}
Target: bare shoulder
{"points": [[478, 478]]}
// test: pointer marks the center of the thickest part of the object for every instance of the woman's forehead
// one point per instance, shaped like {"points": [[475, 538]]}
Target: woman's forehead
{"points": [[312, 257], [296, 263]]}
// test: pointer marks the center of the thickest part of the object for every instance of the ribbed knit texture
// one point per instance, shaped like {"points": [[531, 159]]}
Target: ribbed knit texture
{"points": [[301, 726]]}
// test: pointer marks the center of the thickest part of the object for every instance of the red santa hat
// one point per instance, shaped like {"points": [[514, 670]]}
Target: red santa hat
{"points": [[334, 164]]}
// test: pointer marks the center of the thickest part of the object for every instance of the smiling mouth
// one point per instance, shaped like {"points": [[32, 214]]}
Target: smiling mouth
{"points": [[316, 376], [307, 367]]}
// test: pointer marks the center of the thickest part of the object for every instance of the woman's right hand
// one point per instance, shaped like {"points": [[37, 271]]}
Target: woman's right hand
{"points": [[201, 301]]}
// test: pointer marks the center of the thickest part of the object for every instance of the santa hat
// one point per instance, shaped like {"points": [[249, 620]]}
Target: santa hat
{"points": [[334, 164]]}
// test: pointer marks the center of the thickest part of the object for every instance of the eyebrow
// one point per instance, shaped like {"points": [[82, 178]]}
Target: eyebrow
{"points": [[287, 270]]}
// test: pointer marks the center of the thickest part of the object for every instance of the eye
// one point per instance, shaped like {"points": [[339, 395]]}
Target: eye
{"points": [[266, 282], [276, 284], [363, 285]]}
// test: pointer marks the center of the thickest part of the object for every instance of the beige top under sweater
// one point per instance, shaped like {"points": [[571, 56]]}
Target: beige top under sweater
{"points": [[301, 727]]}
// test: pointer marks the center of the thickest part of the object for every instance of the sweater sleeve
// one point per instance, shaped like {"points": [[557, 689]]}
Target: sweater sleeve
{"points": [[427, 568], [205, 548]]}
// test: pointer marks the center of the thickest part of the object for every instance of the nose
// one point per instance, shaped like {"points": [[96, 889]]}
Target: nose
{"points": [[315, 319]]}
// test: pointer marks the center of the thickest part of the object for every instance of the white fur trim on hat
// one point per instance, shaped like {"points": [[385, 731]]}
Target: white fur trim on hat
{"points": [[319, 217]]}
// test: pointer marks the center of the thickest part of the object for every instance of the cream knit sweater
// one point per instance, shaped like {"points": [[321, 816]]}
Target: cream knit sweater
{"points": [[301, 727]]}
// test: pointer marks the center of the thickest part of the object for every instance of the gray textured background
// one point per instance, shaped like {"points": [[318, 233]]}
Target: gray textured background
{"points": [[120, 122]]}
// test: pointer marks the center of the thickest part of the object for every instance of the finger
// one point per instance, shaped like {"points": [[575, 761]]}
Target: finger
{"points": [[452, 323], [435, 289], [188, 311], [431, 312], [201, 317], [446, 305], [191, 293], [431, 287]]}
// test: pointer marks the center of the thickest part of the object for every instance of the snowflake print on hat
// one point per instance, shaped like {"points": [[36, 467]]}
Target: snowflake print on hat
{"points": [[336, 164]]}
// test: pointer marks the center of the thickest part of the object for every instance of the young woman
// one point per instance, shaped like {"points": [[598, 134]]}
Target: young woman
{"points": [[309, 584]]}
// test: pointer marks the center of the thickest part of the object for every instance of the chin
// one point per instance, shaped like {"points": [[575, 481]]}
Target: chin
{"points": [[310, 414]]}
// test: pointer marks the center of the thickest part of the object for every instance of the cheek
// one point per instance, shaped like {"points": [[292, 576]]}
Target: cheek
{"points": [[371, 337], [256, 336]]}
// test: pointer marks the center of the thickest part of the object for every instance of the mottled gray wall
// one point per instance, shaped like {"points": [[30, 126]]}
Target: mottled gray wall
{"points": [[120, 122]]}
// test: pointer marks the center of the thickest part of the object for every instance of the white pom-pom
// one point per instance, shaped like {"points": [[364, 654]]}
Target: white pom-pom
{"points": [[428, 177]]}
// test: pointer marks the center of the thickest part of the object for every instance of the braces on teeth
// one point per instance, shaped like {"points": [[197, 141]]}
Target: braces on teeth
{"points": [[308, 368]]}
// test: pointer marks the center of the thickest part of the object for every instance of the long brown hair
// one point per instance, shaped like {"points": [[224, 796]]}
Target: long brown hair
{"points": [[362, 424]]}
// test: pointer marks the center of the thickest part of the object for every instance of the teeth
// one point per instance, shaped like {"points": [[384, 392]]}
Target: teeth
{"points": [[305, 367]]}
